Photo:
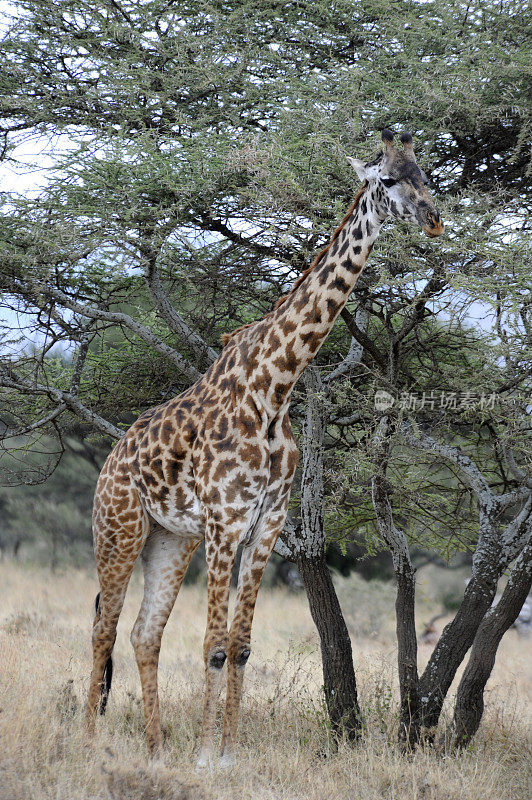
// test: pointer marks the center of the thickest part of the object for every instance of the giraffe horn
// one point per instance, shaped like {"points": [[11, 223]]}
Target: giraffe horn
{"points": [[387, 138], [406, 139]]}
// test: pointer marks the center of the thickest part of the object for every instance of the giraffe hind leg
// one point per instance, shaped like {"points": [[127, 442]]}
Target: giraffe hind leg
{"points": [[117, 549], [108, 670], [165, 559], [103, 639]]}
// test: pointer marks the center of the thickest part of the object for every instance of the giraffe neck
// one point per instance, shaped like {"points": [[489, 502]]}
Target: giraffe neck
{"points": [[303, 320]]}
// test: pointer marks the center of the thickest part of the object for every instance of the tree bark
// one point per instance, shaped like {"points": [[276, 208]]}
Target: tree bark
{"points": [[339, 680], [410, 712], [470, 699], [493, 553], [306, 546], [405, 576], [454, 642]]}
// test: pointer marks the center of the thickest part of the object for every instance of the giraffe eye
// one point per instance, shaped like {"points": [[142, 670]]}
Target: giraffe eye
{"points": [[388, 181]]}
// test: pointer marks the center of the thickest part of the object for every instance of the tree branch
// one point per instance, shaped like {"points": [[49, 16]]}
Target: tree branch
{"points": [[511, 498], [469, 469], [470, 696], [173, 319], [394, 538], [119, 318], [518, 533], [355, 352], [405, 575], [63, 398], [80, 359], [208, 223], [436, 283], [350, 420], [362, 338], [519, 474], [286, 545], [13, 432]]}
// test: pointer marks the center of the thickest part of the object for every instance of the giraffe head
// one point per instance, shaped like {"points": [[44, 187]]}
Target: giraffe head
{"points": [[399, 185]]}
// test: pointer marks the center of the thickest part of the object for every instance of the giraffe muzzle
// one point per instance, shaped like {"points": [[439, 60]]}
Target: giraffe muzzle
{"points": [[434, 225]]}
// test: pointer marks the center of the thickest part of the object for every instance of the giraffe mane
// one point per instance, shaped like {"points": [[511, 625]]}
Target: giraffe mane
{"points": [[226, 337]]}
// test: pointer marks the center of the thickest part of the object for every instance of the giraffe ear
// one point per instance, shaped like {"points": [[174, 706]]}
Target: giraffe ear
{"points": [[359, 167]]}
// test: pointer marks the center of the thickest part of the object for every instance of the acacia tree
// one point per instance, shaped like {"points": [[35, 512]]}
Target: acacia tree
{"points": [[194, 170], [198, 160]]}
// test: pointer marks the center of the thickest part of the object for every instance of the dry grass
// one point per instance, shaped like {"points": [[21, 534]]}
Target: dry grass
{"points": [[285, 752]]}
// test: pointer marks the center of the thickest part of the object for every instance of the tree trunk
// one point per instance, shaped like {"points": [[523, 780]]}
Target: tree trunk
{"points": [[410, 717], [405, 576], [458, 636], [339, 680], [307, 548], [454, 642], [493, 553], [470, 699]]}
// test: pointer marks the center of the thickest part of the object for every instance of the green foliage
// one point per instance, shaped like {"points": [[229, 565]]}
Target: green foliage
{"points": [[207, 142], [51, 521]]}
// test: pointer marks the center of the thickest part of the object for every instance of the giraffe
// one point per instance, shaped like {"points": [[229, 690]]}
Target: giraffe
{"points": [[217, 463]]}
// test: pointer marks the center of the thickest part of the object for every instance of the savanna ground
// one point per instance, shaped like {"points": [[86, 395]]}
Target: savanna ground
{"points": [[286, 752]]}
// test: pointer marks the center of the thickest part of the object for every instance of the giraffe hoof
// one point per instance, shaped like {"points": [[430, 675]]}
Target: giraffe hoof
{"points": [[243, 657], [217, 660]]}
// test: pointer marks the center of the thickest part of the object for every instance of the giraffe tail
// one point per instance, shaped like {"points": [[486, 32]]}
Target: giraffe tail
{"points": [[108, 671]]}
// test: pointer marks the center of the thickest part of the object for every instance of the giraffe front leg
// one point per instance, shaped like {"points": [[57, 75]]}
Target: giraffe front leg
{"points": [[252, 565], [220, 555]]}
